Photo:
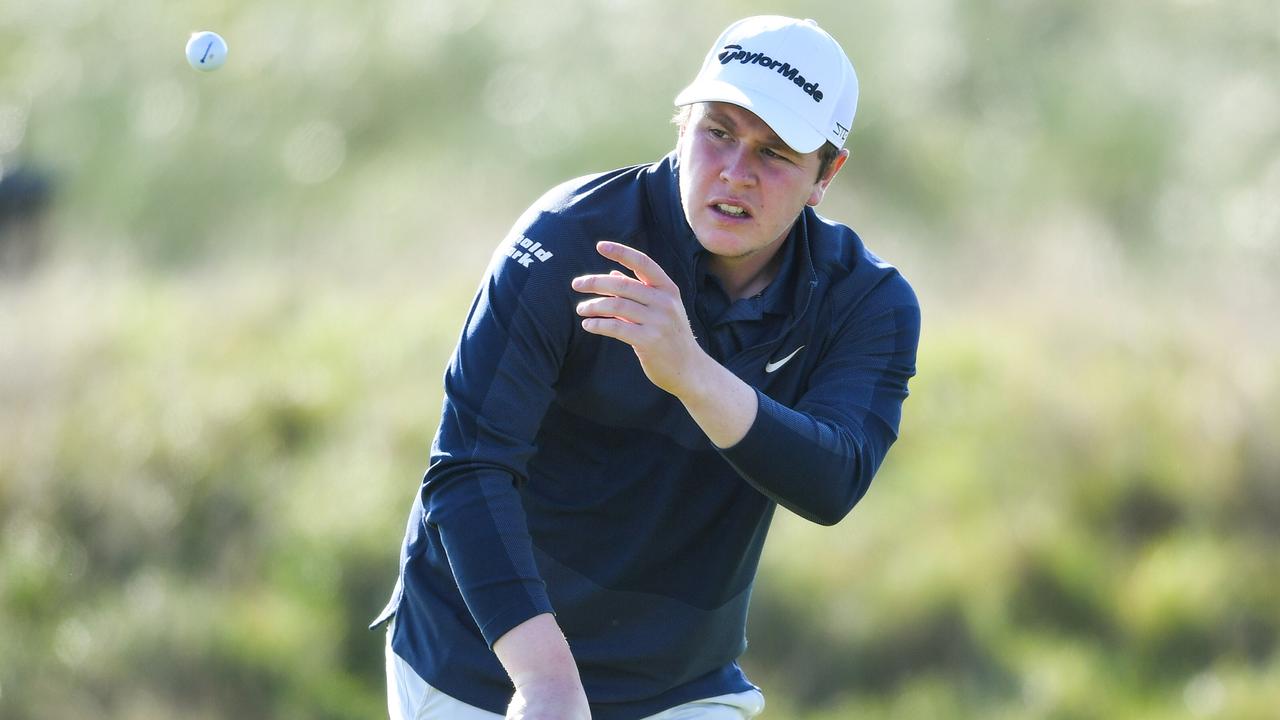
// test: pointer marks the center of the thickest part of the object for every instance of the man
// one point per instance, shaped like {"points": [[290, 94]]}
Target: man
{"points": [[658, 356]]}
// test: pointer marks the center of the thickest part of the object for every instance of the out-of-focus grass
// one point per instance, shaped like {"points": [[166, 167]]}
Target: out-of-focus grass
{"points": [[202, 483]]}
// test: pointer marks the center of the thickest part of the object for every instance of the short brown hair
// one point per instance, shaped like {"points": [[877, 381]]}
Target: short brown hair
{"points": [[827, 154]]}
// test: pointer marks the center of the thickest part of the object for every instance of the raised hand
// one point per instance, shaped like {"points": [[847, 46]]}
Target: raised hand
{"points": [[645, 312]]}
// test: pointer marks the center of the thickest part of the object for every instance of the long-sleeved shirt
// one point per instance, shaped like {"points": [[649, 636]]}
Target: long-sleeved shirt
{"points": [[562, 480]]}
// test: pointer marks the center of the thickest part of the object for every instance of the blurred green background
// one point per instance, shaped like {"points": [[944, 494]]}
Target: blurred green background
{"points": [[221, 342]]}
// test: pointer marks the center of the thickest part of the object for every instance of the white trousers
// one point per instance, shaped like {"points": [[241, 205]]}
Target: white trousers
{"points": [[409, 697]]}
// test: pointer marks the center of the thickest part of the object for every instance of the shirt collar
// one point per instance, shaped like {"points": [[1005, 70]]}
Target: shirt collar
{"points": [[663, 186], [775, 298]]}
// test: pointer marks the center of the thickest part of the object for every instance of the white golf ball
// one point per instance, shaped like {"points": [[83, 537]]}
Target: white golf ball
{"points": [[206, 51]]}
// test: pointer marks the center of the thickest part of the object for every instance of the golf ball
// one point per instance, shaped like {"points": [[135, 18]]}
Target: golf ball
{"points": [[206, 51]]}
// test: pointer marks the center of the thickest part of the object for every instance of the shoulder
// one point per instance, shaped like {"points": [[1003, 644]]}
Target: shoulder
{"points": [[855, 275], [588, 196], [597, 203], [563, 225]]}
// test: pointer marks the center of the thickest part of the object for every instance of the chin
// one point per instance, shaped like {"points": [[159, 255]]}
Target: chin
{"points": [[712, 237], [717, 242], [717, 238]]}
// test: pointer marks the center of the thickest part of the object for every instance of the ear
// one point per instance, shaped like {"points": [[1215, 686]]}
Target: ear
{"points": [[820, 187]]}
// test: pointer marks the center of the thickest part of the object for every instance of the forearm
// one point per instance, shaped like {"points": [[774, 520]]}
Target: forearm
{"points": [[486, 539], [815, 466], [817, 456], [818, 469], [481, 524], [537, 658]]}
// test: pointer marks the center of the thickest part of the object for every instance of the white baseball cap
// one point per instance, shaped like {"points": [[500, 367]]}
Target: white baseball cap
{"points": [[789, 72]]}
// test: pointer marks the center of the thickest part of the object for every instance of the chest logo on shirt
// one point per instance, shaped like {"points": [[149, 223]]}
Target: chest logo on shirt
{"points": [[776, 364], [525, 251]]}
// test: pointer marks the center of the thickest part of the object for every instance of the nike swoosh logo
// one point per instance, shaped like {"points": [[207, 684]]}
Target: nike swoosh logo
{"points": [[773, 366]]}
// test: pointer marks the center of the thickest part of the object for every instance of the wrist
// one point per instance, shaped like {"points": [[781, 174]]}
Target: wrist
{"points": [[701, 381], [721, 404]]}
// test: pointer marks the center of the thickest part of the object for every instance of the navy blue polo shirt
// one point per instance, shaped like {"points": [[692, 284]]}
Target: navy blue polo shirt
{"points": [[561, 480]]}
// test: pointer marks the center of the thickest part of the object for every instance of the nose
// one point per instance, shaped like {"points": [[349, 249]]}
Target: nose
{"points": [[737, 170]]}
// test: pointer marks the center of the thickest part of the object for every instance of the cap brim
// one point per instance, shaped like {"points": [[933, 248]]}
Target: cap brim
{"points": [[796, 133]]}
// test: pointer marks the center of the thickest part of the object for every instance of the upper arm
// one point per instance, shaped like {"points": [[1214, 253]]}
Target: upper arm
{"points": [[502, 375], [863, 374]]}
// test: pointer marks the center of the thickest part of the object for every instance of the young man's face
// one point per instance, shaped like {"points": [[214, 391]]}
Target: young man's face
{"points": [[742, 187]]}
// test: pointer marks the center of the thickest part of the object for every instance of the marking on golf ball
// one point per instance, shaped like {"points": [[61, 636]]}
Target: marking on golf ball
{"points": [[206, 51]]}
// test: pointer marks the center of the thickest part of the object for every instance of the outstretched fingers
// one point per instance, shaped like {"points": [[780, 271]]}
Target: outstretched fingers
{"points": [[615, 307], [642, 311], [648, 271], [616, 328]]}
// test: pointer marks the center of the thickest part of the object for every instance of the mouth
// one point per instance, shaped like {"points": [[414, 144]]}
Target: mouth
{"points": [[730, 210]]}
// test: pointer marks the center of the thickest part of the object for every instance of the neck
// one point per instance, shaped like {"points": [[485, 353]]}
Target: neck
{"points": [[742, 277]]}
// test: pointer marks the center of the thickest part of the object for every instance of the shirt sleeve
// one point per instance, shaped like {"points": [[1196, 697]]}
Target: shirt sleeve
{"points": [[498, 386], [818, 457]]}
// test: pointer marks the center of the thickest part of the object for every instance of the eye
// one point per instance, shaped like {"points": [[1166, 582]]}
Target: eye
{"points": [[773, 155], [718, 133]]}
